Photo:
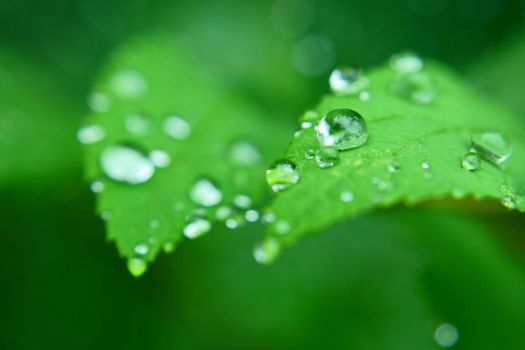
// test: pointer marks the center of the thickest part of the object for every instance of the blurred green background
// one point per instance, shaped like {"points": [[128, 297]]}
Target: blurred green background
{"points": [[384, 281]]}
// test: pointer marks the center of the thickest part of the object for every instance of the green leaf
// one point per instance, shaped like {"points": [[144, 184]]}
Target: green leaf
{"points": [[37, 123], [157, 77], [413, 154]]}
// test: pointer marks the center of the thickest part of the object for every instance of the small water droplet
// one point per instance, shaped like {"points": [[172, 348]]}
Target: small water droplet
{"points": [[128, 83], [282, 227], [223, 213], [232, 223], [251, 215], [141, 249], [406, 62], [348, 81], [137, 266], [306, 125], [168, 247], [137, 124], [91, 134], [242, 201], [346, 196], [105, 215], [492, 145], [99, 102], [309, 154], [282, 175], [365, 95], [154, 224], [268, 218], [97, 186], [243, 153], [196, 226], [509, 201], [267, 251], [446, 335], [204, 192], [343, 129], [471, 161], [425, 165], [160, 159], [393, 167], [327, 157], [416, 87], [126, 164], [177, 128]]}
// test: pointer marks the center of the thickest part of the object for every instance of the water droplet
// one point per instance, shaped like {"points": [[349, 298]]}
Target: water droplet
{"points": [[406, 62], [342, 129], [99, 102], [223, 213], [242, 201], [137, 124], [493, 146], [347, 196], [251, 215], [105, 215], [177, 128], [243, 153], [425, 165], [137, 267], [267, 251], [310, 154], [348, 81], [126, 164], [91, 134], [141, 249], [268, 218], [205, 193], [427, 172], [196, 226], [97, 186], [168, 247], [306, 125], [393, 167], [509, 201], [232, 223], [282, 227], [446, 335], [327, 157], [128, 83], [416, 87], [282, 175], [471, 161], [365, 95], [160, 159], [154, 224]]}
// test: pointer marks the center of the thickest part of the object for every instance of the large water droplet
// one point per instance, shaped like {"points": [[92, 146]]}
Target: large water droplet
{"points": [[137, 124], [177, 127], [126, 164], [282, 175], [91, 134], [342, 129], [348, 81], [128, 83], [406, 62], [137, 266], [266, 252], [471, 161], [243, 153], [493, 146], [99, 102], [205, 193], [416, 87], [446, 335], [160, 159], [326, 157]]}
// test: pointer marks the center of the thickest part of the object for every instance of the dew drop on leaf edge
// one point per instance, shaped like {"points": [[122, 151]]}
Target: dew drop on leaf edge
{"points": [[348, 81], [493, 146], [282, 175], [267, 251], [137, 266]]}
